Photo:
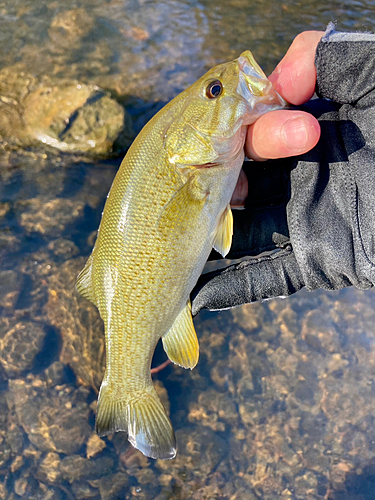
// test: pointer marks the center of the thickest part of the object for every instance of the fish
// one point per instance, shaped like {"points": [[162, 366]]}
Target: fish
{"points": [[168, 206]]}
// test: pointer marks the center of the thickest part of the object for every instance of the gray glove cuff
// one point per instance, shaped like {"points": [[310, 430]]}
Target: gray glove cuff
{"points": [[276, 275]]}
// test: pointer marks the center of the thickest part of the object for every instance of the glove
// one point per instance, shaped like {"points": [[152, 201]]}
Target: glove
{"points": [[316, 213]]}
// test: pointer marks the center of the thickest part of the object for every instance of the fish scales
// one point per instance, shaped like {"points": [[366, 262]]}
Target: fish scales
{"points": [[167, 207]]}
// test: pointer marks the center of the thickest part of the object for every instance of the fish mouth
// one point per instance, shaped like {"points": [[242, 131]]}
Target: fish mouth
{"points": [[253, 74], [255, 87]]}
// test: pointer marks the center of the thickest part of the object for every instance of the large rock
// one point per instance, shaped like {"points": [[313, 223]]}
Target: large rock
{"points": [[60, 114]]}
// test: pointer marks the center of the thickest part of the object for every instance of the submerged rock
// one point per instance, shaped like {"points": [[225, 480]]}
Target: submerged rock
{"points": [[5, 453], [113, 486], [49, 468], [82, 490], [214, 410], [83, 343], [48, 216], [55, 420], [94, 446], [10, 287], [75, 468], [69, 27], [19, 345], [27, 486]]}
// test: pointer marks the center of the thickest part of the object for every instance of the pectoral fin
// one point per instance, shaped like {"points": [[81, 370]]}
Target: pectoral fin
{"points": [[184, 206], [224, 232], [180, 342]]}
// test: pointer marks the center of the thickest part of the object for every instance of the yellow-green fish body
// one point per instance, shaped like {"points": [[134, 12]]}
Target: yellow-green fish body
{"points": [[168, 206]]}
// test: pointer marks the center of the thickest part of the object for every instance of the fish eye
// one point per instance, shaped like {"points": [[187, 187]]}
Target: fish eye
{"points": [[214, 89]]}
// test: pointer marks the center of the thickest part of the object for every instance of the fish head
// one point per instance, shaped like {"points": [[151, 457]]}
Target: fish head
{"points": [[209, 126]]}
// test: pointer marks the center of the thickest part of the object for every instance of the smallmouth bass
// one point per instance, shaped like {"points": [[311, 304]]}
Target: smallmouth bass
{"points": [[167, 208]]}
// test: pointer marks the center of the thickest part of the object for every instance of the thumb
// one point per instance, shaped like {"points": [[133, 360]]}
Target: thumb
{"points": [[252, 280], [282, 133]]}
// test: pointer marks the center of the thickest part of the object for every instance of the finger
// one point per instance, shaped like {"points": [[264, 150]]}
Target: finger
{"points": [[280, 134], [295, 76]]}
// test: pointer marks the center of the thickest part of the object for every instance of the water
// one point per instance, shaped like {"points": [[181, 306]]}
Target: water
{"points": [[282, 402]]}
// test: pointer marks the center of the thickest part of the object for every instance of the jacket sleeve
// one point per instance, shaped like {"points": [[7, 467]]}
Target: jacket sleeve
{"points": [[331, 211]]}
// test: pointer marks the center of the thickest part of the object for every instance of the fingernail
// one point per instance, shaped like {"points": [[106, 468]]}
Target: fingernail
{"points": [[294, 133]]}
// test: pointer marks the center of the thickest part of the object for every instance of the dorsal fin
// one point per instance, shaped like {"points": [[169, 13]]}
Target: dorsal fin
{"points": [[180, 342], [84, 282]]}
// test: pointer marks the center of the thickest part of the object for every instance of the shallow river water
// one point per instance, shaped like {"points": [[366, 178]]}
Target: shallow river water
{"points": [[282, 402]]}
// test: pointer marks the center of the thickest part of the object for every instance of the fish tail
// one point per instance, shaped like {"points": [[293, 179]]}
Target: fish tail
{"points": [[142, 416]]}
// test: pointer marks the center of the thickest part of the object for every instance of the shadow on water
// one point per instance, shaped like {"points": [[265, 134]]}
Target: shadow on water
{"points": [[358, 485], [49, 351]]}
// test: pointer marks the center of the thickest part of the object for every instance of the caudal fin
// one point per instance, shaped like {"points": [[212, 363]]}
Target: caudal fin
{"points": [[143, 418]]}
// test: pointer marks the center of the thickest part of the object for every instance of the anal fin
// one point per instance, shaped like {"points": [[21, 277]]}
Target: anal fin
{"points": [[180, 342], [224, 232]]}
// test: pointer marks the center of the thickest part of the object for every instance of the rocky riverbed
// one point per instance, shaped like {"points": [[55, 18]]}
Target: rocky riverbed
{"points": [[282, 402], [280, 405]]}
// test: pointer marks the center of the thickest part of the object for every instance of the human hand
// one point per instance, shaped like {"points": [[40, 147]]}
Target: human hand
{"points": [[284, 133], [309, 218]]}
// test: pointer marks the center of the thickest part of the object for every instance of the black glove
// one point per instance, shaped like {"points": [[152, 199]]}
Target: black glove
{"points": [[315, 212]]}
